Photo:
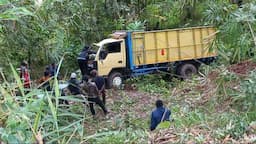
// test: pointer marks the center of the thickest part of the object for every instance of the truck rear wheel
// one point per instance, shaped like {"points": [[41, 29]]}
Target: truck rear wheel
{"points": [[187, 70], [115, 80]]}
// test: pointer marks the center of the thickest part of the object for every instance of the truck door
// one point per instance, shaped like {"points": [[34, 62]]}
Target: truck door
{"points": [[112, 55]]}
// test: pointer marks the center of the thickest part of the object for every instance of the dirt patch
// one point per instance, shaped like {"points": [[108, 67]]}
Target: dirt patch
{"points": [[213, 75], [242, 68], [134, 101]]}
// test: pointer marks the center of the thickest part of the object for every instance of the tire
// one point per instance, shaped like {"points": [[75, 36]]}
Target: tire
{"points": [[186, 70], [115, 80]]}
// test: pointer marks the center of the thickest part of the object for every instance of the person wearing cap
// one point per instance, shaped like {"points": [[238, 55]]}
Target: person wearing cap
{"points": [[159, 114], [73, 85], [100, 83]]}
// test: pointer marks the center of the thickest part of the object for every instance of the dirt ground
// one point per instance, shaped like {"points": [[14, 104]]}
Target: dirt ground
{"points": [[242, 68]]}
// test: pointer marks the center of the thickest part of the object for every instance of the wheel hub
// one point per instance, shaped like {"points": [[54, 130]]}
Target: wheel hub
{"points": [[117, 81]]}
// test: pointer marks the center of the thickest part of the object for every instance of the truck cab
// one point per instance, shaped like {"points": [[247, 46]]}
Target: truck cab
{"points": [[110, 60]]}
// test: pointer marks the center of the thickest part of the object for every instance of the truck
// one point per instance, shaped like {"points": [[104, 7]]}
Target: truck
{"points": [[127, 54]]}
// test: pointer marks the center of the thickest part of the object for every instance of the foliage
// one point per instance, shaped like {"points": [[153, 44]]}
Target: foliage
{"points": [[232, 125], [116, 137], [152, 84], [137, 25], [248, 92], [235, 40], [27, 117]]}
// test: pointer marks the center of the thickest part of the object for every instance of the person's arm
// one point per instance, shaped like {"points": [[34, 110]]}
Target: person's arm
{"points": [[152, 122]]}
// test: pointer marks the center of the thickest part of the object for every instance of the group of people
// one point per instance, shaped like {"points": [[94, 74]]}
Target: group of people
{"points": [[96, 87], [25, 75], [91, 85]]}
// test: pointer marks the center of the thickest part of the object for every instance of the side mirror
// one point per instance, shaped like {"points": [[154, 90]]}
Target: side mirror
{"points": [[103, 55]]}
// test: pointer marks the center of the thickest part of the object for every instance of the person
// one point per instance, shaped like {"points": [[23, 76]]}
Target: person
{"points": [[45, 81], [73, 85], [93, 96], [100, 83], [24, 74], [82, 60], [159, 114], [53, 69]]}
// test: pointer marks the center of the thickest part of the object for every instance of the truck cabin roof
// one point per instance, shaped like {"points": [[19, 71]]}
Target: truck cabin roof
{"points": [[106, 41]]}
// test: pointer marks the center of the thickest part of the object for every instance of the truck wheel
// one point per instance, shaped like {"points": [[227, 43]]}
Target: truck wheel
{"points": [[187, 70], [115, 80]]}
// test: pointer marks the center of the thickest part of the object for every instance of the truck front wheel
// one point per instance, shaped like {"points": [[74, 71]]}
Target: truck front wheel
{"points": [[115, 80], [187, 70]]}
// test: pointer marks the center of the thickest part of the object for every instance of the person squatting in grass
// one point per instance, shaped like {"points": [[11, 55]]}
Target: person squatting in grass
{"points": [[93, 95], [74, 85], [159, 114]]}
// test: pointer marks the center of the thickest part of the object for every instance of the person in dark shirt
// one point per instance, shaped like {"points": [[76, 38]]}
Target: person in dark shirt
{"points": [[100, 83], [82, 59], [73, 85], [159, 114], [53, 69], [93, 96]]}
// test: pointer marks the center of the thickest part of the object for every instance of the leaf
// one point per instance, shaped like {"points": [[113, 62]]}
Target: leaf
{"points": [[54, 112], [38, 118], [15, 13], [17, 78], [4, 2]]}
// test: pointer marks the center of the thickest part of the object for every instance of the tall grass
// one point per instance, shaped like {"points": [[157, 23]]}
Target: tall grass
{"points": [[33, 115]]}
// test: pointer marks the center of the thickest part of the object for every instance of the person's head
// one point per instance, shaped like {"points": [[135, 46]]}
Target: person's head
{"points": [[94, 73], [47, 68], [159, 103], [24, 63], [73, 75], [53, 65], [46, 73]]}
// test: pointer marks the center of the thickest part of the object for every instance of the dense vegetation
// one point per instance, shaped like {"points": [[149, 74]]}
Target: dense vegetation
{"points": [[217, 107]]}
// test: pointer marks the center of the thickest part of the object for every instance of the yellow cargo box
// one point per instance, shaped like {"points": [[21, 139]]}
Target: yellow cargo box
{"points": [[172, 45]]}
